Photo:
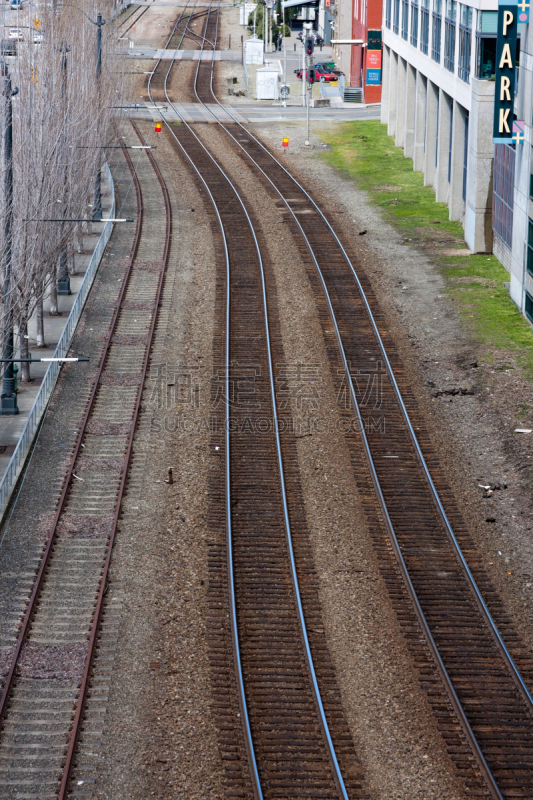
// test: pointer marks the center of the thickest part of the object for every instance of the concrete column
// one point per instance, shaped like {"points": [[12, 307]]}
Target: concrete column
{"points": [[420, 122], [385, 88], [393, 93], [400, 114], [443, 156], [456, 202], [431, 133], [410, 108], [478, 212]]}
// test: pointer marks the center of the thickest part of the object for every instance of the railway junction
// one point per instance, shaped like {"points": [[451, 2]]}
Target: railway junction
{"points": [[248, 554]]}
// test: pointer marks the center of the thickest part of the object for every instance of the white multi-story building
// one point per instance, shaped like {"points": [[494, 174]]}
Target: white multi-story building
{"points": [[515, 242], [438, 102]]}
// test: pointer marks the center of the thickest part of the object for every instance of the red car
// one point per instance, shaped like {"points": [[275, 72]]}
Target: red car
{"points": [[327, 75]]}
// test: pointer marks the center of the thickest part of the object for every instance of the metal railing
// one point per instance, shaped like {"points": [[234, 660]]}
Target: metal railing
{"points": [[18, 458]]}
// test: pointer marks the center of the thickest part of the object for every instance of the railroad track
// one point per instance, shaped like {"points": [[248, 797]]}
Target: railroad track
{"points": [[481, 666], [294, 739], [43, 695], [132, 19]]}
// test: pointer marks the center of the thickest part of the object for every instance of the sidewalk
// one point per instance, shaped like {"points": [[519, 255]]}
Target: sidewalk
{"points": [[11, 427]]}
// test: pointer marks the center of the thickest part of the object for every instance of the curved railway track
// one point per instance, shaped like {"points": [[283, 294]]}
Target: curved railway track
{"points": [[479, 659], [297, 743], [60, 627]]}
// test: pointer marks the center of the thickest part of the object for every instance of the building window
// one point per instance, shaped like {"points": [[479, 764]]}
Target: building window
{"points": [[450, 144], [437, 136], [405, 19], [465, 158], [502, 197], [529, 261], [449, 35], [531, 187], [529, 305], [436, 32], [396, 21], [388, 10], [414, 23], [486, 58], [424, 26], [487, 29], [465, 43]]}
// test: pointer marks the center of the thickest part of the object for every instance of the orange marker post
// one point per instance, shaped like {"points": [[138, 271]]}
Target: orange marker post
{"points": [[158, 127], [285, 141]]}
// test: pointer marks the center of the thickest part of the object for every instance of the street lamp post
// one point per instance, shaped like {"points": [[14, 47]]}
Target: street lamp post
{"points": [[8, 398], [63, 280], [97, 206]]}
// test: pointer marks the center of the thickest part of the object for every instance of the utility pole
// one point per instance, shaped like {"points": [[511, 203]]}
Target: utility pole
{"points": [[308, 50], [63, 280], [97, 206], [8, 398]]}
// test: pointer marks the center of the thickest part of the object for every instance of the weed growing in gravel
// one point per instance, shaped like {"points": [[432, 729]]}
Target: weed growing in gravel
{"points": [[364, 152]]}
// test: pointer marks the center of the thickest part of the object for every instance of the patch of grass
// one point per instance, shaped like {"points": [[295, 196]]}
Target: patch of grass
{"points": [[363, 152]]}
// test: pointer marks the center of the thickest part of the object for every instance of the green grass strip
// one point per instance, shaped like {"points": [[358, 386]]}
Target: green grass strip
{"points": [[362, 151]]}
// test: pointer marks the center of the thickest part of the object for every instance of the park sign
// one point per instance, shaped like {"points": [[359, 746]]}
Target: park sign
{"points": [[505, 72]]}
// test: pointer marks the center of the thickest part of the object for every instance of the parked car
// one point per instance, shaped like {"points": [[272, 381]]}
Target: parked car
{"points": [[37, 37], [16, 33], [16, 5], [327, 65], [321, 74]]}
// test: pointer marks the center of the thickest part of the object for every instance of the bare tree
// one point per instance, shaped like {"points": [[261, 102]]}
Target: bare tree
{"points": [[61, 120]]}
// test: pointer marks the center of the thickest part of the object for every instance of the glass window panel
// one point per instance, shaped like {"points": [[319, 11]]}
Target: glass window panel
{"points": [[489, 22], [486, 58], [529, 307], [435, 38], [414, 25], [451, 9], [466, 16], [424, 30]]}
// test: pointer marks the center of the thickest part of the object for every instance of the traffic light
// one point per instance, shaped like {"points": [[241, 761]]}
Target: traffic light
{"points": [[312, 76], [309, 45]]}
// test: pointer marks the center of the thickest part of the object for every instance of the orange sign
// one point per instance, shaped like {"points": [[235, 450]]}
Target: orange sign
{"points": [[158, 127], [285, 141], [373, 59]]}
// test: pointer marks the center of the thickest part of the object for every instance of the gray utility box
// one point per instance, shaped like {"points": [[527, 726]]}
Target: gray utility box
{"points": [[254, 50], [266, 83]]}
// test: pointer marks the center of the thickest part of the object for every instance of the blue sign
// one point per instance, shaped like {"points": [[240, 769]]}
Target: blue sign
{"points": [[523, 11], [373, 77]]}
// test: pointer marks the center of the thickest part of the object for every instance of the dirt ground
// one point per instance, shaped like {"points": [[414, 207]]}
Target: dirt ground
{"points": [[164, 743]]}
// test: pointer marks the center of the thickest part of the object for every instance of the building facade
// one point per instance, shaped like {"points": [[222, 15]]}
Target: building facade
{"points": [[514, 190], [367, 15], [438, 102], [352, 20]]}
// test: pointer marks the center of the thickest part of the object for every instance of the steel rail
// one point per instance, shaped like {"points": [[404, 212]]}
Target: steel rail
{"points": [[143, 11], [76, 727], [515, 674], [256, 782], [301, 618], [26, 624], [46, 555]]}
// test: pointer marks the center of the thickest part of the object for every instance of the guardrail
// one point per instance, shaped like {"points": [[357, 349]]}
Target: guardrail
{"points": [[18, 458]]}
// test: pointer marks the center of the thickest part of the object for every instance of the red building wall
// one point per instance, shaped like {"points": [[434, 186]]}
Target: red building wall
{"points": [[366, 14]]}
